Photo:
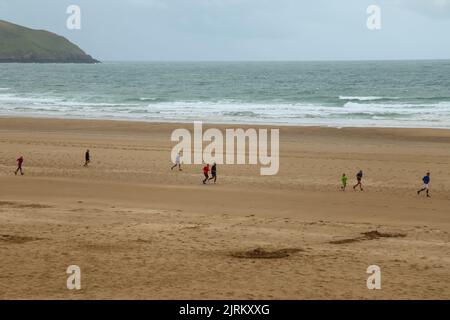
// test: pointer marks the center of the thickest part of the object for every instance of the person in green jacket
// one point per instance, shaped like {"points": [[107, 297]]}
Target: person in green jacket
{"points": [[344, 182]]}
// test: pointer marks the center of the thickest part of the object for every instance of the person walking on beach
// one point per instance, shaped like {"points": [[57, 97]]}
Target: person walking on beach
{"points": [[426, 182], [205, 172], [19, 165], [359, 177], [213, 172], [87, 158], [177, 162], [344, 182]]}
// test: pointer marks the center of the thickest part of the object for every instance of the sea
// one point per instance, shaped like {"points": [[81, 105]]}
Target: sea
{"points": [[338, 94]]}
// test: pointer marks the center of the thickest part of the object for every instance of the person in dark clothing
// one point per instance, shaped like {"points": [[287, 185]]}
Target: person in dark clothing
{"points": [[426, 183], [214, 172], [359, 177], [87, 158], [19, 166]]}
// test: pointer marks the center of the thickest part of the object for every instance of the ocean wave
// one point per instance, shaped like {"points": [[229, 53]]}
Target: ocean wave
{"points": [[150, 99], [56, 101], [147, 99], [405, 107], [368, 98], [404, 100], [352, 112], [241, 114]]}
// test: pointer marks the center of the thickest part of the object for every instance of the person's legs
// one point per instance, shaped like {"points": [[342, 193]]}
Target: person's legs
{"points": [[425, 187], [358, 184], [179, 166], [206, 178], [171, 168]]}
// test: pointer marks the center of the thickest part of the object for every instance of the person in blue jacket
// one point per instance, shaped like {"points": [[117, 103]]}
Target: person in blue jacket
{"points": [[426, 185]]}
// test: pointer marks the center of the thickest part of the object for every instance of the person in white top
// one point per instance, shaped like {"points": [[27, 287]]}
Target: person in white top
{"points": [[177, 163]]}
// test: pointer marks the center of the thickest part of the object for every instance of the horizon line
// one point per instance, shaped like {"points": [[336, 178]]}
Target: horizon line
{"points": [[275, 60]]}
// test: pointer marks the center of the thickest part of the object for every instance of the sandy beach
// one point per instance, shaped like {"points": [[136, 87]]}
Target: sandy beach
{"points": [[138, 230]]}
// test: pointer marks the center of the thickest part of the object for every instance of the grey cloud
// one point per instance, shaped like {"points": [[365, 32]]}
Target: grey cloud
{"points": [[244, 29], [431, 8]]}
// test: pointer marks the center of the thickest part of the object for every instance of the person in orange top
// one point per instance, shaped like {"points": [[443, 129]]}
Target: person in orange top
{"points": [[206, 173]]}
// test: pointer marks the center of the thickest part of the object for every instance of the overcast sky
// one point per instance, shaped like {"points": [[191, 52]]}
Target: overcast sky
{"points": [[244, 29]]}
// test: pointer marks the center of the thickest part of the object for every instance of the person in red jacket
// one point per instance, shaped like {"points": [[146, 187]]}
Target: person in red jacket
{"points": [[206, 173], [19, 166]]}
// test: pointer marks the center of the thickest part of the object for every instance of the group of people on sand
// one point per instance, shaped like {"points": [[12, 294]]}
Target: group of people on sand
{"points": [[213, 170], [426, 183], [206, 169], [359, 177], [20, 160]]}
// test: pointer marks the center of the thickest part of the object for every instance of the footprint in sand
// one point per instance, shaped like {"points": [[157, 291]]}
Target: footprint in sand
{"points": [[19, 205], [371, 235], [16, 239], [260, 253]]}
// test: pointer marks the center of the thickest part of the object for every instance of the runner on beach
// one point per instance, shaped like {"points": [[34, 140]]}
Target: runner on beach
{"points": [[359, 177], [344, 182], [205, 172], [213, 172], [426, 182], [177, 162], [87, 158], [19, 165]]}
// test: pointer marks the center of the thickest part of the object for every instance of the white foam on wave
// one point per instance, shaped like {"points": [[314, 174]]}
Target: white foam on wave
{"points": [[12, 98], [352, 113], [55, 101], [369, 98]]}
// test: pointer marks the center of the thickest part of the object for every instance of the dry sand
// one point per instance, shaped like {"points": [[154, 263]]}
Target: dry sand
{"points": [[141, 231]]}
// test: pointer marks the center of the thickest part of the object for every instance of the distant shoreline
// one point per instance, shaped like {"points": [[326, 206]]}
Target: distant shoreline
{"points": [[50, 61], [238, 61]]}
